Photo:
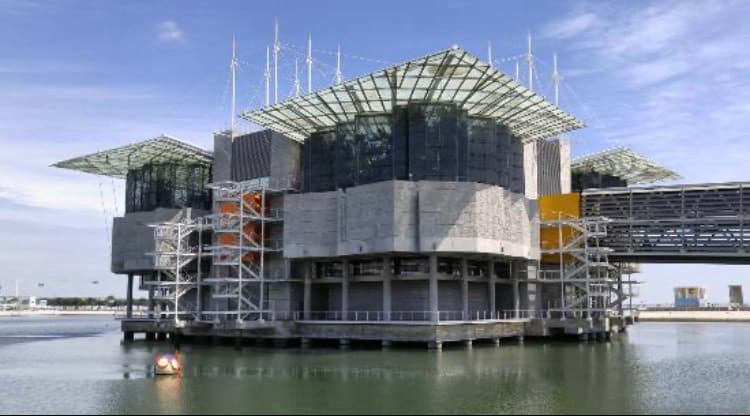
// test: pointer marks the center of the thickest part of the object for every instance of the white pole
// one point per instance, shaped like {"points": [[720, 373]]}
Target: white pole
{"points": [[556, 79], [296, 79], [338, 65], [268, 76], [233, 67], [309, 64], [489, 54], [530, 61], [276, 49]]}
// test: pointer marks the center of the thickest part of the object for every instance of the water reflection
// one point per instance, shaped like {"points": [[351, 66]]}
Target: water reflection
{"points": [[656, 368]]}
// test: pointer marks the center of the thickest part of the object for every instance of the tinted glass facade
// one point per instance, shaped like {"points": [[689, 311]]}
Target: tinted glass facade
{"points": [[586, 180], [168, 186], [435, 142]]}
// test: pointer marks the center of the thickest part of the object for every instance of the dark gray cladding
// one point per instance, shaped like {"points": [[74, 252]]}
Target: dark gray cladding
{"points": [[588, 180], [435, 142], [251, 156], [548, 175]]}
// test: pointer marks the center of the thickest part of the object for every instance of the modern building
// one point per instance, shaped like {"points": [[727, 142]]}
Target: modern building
{"points": [[689, 297], [416, 203]]}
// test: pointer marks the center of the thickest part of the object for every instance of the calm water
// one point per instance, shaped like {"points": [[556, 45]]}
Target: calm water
{"points": [[78, 365]]}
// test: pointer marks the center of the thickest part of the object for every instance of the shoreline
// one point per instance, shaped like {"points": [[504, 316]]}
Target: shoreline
{"points": [[21, 314], [693, 316]]}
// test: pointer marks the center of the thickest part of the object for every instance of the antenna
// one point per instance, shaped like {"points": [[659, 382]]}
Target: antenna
{"points": [[268, 76], [518, 68], [338, 66], [309, 64], [233, 68], [489, 54], [556, 79], [276, 49], [296, 79], [530, 61]]}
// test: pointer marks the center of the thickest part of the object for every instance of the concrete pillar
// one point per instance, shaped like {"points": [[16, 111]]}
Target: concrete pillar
{"points": [[345, 290], [435, 346], [344, 344], [387, 275], [304, 342], [464, 288], [434, 288], [496, 342], [468, 343], [386, 344], [128, 336], [129, 299], [307, 295], [514, 270], [151, 302], [492, 282]]}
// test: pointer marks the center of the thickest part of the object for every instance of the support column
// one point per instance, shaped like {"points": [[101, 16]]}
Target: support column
{"points": [[434, 314], [345, 290], [129, 299], [464, 288], [307, 295], [151, 301], [492, 282], [514, 269], [387, 274]]}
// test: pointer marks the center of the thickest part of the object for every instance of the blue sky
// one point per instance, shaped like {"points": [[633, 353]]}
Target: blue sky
{"points": [[667, 78]]}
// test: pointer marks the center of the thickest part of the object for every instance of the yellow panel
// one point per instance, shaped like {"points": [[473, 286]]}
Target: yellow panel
{"points": [[551, 206]]}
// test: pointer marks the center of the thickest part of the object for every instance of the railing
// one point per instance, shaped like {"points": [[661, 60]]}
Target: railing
{"points": [[404, 316]]}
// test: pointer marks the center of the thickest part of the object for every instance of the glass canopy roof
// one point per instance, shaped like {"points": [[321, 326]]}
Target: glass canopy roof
{"points": [[624, 163], [116, 162], [451, 76]]}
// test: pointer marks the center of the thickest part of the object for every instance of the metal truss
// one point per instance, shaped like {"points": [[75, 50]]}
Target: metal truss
{"points": [[589, 285], [241, 245], [178, 254], [700, 222]]}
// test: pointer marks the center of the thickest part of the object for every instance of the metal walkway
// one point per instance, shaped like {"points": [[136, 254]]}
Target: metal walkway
{"points": [[702, 223]]}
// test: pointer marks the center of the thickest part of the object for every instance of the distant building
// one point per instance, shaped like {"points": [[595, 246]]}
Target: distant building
{"points": [[689, 296], [735, 295]]}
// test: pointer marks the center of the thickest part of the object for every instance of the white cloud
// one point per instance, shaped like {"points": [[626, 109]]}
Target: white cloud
{"points": [[169, 31], [570, 26]]}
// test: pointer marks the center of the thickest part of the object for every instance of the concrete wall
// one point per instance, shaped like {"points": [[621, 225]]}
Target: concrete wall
{"points": [[286, 156], [132, 238], [565, 165], [222, 168], [530, 169], [404, 216]]}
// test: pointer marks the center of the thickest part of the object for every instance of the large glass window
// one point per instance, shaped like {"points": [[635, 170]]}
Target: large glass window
{"points": [[432, 141], [168, 186]]}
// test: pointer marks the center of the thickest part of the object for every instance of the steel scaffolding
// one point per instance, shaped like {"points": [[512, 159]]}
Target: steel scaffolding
{"points": [[241, 244], [178, 254], [589, 285]]}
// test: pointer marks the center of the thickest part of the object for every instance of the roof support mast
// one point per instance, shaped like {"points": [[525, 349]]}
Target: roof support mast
{"points": [[276, 48], [530, 61], [268, 76], [309, 64], [338, 66], [489, 54], [556, 79], [233, 68]]}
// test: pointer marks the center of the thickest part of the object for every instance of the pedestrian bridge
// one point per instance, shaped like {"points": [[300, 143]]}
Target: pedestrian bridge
{"points": [[701, 223]]}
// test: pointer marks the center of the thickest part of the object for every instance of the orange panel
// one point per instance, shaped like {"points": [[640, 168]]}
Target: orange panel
{"points": [[227, 239], [229, 207]]}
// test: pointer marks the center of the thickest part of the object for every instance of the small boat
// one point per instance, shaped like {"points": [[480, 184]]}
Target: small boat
{"points": [[167, 365]]}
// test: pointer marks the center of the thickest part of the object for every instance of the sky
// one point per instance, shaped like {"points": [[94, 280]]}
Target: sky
{"points": [[666, 78]]}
